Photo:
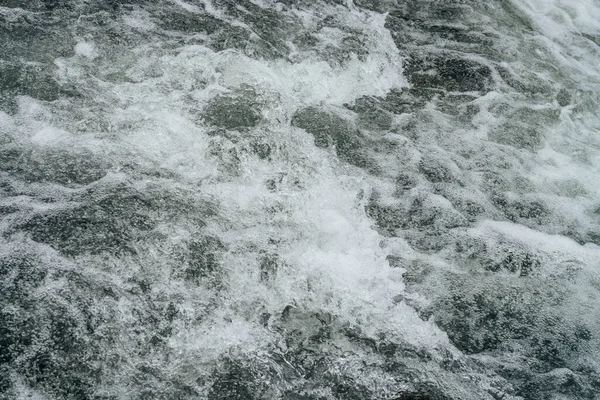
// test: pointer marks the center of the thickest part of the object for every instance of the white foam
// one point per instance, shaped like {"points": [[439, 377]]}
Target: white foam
{"points": [[561, 22], [561, 247], [12, 14], [330, 258], [49, 136], [187, 6], [6, 123], [139, 20], [86, 49]]}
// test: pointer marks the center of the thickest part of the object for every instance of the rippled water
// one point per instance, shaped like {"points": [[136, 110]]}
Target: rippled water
{"points": [[300, 200]]}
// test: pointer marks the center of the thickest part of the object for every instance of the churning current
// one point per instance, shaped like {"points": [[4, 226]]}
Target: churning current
{"points": [[300, 199]]}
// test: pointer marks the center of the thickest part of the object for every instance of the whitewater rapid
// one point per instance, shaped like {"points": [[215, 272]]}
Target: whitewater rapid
{"points": [[300, 200]]}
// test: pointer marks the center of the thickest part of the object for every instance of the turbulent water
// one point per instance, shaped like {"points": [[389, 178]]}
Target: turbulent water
{"points": [[300, 199]]}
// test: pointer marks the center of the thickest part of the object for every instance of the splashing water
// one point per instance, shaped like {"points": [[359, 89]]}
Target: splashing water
{"points": [[299, 200]]}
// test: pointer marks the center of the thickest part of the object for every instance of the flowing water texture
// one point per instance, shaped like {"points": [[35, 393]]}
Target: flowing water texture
{"points": [[300, 200]]}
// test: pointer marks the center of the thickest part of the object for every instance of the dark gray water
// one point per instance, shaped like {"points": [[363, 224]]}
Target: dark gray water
{"points": [[299, 200]]}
